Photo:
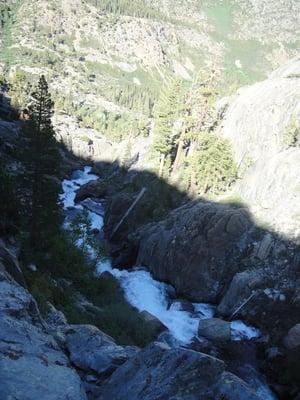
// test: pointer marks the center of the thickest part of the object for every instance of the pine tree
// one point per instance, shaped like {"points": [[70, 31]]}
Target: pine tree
{"points": [[213, 166], [165, 113], [41, 158]]}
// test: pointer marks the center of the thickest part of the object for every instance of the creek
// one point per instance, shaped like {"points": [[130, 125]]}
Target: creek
{"points": [[144, 292]]}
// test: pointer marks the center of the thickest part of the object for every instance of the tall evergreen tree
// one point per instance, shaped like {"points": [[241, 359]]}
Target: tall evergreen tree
{"points": [[165, 113], [41, 158]]}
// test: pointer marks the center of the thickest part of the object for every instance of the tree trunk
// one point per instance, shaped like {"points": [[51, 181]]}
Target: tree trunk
{"points": [[141, 194], [194, 188], [161, 166], [178, 155]]}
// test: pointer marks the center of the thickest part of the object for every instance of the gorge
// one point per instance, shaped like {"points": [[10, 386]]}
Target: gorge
{"points": [[150, 200]]}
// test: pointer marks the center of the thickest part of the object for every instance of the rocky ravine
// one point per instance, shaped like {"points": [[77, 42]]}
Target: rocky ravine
{"points": [[53, 360]]}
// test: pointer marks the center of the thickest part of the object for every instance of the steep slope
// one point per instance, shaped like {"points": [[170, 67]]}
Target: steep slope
{"points": [[262, 123], [115, 54]]}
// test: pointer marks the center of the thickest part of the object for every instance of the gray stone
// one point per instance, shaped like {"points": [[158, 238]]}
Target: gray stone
{"points": [[32, 365], [92, 350], [159, 372], [55, 318], [153, 324], [292, 339], [93, 206], [240, 288], [197, 248], [183, 305], [230, 387], [96, 189], [215, 329], [265, 247]]}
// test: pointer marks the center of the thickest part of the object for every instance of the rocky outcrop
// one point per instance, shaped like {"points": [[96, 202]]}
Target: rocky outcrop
{"points": [[241, 288], [32, 365], [160, 372], [198, 248], [92, 350], [152, 323], [93, 189], [262, 124]]}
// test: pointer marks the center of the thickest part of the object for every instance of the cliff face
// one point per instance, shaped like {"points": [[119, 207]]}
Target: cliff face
{"points": [[262, 123], [200, 247]]}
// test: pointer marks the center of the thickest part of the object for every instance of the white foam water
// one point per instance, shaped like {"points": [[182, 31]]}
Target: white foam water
{"points": [[144, 292]]}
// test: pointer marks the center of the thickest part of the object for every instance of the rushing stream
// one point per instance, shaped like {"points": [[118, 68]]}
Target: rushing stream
{"points": [[144, 292], [141, 290]]}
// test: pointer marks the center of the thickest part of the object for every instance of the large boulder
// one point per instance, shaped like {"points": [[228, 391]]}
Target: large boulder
{"points": [[198, 248], [215, 329], [32, 365], [161, 372], [152, 324], [96, 189], [241, 288], [92, 350]]}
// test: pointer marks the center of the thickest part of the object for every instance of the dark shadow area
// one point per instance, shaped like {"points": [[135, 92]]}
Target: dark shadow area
{"points": [[197, 245]]}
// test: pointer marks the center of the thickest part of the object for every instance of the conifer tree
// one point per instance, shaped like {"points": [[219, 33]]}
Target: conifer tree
{"points": [[212, 163], [41, 158], [165, 113]]}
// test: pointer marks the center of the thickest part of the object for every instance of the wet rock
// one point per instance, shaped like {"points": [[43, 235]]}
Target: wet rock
{"points": [[168, 339], [182, 305], [292, 339], [96, 189], [92, 350], [215, 329], [93, 206], [153, 324]]}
